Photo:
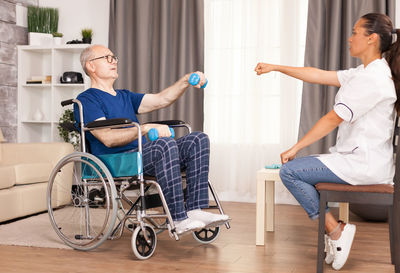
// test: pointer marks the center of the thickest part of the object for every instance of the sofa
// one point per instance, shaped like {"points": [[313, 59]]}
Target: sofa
{"points": [[24, 172]]}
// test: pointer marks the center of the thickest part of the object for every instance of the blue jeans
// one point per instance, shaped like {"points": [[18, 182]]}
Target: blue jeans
{"points": [[300, 177]]}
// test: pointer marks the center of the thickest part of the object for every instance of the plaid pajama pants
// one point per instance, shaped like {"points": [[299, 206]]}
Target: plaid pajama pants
{"points": [[165, 157]]}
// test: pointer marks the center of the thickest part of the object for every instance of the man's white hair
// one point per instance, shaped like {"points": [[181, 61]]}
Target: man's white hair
{"points": [[86, 55]]}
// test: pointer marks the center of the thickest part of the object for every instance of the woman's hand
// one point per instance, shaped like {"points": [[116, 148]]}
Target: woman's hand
{"points": [[288, 155], [263, 68]]}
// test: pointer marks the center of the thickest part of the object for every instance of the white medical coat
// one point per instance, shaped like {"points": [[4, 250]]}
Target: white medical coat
{"points": [[363, 153]]}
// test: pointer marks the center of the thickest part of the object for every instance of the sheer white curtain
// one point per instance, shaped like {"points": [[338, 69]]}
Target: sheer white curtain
{"points": [[251, 119]]}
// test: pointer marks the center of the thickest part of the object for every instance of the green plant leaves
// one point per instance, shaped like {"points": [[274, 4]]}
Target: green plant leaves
{"points": [[43, 20], [87, 33], [72, 137]]}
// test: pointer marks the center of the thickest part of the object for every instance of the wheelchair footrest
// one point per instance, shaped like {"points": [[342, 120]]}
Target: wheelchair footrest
{"points": [[217, 224]]}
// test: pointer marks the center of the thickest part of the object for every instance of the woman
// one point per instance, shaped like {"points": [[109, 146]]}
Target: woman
{"points": [[364, 111]]}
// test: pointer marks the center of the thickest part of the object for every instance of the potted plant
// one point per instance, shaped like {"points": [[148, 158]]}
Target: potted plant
{"points": [[66, 123], [57, 38], [42, 22], [87, 35]]}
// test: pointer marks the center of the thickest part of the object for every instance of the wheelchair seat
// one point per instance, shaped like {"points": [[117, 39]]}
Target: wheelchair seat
{"points": [[123, 164]]}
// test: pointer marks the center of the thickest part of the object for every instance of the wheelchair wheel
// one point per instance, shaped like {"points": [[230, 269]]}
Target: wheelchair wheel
{"points": [[81, 201], [142, 248], [206, 235]]}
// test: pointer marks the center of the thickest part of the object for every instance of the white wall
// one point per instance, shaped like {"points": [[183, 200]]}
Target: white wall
{"points": [[74, 15], [94, 14]]}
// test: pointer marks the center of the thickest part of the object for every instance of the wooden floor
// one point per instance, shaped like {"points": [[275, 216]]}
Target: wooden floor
{"points": [[291, 248]]}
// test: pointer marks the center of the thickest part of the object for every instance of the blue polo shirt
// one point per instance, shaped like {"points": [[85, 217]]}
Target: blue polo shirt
{"points": [[97, 103]]}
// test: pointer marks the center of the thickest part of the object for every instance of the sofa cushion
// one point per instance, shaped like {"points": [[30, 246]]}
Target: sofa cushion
{"points": [[10, 204], [29, 173], [7, 176], [33, 198], [22, 200]]}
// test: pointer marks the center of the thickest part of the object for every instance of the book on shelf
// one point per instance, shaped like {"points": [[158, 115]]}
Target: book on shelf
{"points": [[39, 80]]}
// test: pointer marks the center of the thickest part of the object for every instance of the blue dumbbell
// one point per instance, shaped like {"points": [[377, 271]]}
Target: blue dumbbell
{"points": [[194, 80], [153, 133]]}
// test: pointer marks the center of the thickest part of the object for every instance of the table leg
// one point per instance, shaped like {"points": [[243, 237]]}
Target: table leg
{"points": [[270, 205], [260, 211]]}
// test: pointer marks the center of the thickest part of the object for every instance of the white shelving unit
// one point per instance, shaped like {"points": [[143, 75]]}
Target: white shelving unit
{"points": [[39, 107]]}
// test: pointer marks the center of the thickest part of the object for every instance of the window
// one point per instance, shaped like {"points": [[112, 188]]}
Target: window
{"points": [[250, 119]]}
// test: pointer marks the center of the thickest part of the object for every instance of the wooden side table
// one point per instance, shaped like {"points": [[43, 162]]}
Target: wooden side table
{"points": [[265, 206]]}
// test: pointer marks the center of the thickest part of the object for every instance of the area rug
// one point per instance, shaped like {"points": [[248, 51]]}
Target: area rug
{"points": [[37, 230], [33, 231]]}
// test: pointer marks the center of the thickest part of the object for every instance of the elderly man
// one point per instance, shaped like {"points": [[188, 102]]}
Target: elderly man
{"points": [[163, 158]]}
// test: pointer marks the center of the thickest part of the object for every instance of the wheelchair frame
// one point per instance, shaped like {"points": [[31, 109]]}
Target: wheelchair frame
{"points": [[85, 203]]}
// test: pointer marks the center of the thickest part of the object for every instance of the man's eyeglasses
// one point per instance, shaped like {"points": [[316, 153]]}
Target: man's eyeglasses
{"points": [[109, 58]]}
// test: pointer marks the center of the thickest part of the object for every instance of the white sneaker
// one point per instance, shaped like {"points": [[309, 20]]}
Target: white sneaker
{"points": [[188, 225], [329, 252], [341, 247], [209, 219]]}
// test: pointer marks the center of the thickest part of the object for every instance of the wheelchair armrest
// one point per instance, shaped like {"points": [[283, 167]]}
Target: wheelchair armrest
{"points": [[174, 122], [114, 123], [108, 122]]}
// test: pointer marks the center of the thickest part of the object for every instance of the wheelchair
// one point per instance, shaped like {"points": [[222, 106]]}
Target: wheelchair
{"points": [[88, 202]]}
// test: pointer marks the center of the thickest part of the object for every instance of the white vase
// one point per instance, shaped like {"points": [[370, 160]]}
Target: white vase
{"points": [[40, 39], [57, 40], [38, 115]]}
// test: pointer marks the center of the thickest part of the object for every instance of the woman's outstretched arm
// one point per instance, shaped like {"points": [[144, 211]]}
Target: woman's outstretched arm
{"points": [[307, 74]]}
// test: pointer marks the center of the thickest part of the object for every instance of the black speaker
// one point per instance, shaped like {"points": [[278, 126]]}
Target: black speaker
{"points": [[71, 77]]}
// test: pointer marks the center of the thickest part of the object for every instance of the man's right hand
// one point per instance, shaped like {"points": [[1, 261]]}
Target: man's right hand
{"points": [[202, 80]]}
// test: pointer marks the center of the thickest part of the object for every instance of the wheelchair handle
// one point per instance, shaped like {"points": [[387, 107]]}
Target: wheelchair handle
{"points": [[67, 102], [153, 133]]}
